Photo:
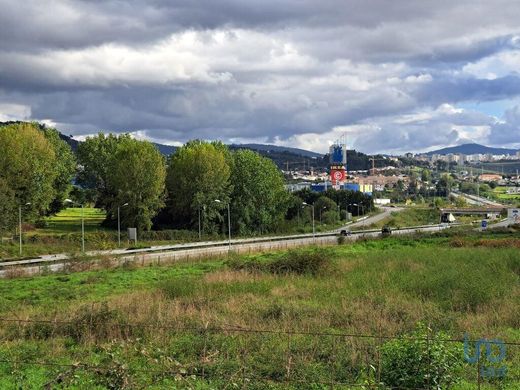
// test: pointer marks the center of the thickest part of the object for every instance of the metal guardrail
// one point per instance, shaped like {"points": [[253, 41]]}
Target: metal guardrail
{"points": [[203, 245]]}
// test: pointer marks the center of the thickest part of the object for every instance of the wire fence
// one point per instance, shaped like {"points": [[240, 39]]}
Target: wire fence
{"points": [[116, 354]]}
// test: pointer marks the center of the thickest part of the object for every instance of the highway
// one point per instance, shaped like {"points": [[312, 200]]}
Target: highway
{"points": [[193, 251], [477, 200], [387, 211]]}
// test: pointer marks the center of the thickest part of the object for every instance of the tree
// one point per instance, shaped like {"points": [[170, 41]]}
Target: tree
{"points": [[65, 166], [94, 157], [323, 205], [7, 206], [426, 175], [198, 174], [27, 168], [259, 199], [445, 184], [136, 175]]}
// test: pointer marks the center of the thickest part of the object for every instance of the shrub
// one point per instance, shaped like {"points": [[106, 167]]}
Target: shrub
{"points": [[313, 261], [301, 262], [99, 323], [416, 362], [179, 288]]}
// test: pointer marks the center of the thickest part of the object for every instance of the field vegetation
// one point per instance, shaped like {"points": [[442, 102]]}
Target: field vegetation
{"points": [[272, 320]]}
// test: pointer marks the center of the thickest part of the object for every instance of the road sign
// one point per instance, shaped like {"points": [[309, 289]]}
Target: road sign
{"points": [[484, 224]]}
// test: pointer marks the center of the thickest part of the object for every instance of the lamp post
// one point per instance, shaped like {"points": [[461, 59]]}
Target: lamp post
{"points": [[229, 221], [119, 224], [313, 224], [20, 225], [82, 224], [321, 209]]}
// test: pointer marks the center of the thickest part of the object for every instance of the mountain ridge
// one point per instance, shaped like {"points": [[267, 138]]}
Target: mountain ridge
{"points": [[472, 148]]}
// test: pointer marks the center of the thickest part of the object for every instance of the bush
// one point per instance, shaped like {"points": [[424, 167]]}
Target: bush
{"points": [[313, 262], [416, 362], [99, 323], [301, 262]]}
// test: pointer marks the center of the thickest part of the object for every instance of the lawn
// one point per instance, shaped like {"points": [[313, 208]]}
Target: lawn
{"points": [[197, 315], [69, 221]]}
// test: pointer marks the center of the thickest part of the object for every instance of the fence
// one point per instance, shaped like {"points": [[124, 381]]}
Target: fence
{"points": [[235, 357]]}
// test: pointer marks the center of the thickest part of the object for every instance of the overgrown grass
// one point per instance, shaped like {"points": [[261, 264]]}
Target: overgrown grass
{"points": [[412, 216], [372, 287]]}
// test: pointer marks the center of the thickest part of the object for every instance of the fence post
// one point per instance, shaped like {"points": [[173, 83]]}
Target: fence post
{"points": [[289, 358], [478, 370], [429, 357], [204, 351]]}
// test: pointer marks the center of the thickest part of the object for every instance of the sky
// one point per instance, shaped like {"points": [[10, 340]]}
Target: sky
{"points": [[394, 76]]}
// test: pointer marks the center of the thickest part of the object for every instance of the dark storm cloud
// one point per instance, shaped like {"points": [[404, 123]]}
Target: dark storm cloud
{"points": [[268, 70]]}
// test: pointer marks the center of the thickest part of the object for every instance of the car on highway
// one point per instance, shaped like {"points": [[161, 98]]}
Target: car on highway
{"points": [[386, 231], [345, 232]]}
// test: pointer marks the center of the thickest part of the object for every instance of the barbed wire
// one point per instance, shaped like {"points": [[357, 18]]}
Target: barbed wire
{"points": [[215, 329]]}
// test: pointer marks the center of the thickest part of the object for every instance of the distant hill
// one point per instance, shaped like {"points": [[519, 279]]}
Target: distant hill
{"points": [[284, 157], [278, 149], [472, 149], [165, 149]]}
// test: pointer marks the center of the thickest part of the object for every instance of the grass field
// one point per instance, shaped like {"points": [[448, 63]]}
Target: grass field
{"points": [[196, 316], [69, 221], [500, 194]]}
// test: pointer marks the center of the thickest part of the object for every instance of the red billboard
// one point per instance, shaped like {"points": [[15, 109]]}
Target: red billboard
{"points": [[337, 175]]}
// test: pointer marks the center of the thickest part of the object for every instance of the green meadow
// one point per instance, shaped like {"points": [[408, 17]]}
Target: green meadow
{"points": [[312, 318]]}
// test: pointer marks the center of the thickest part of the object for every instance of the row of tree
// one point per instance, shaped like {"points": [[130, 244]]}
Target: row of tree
{"points": [[192, 188]]}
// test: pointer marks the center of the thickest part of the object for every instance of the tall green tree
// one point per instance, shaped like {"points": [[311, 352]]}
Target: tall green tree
{"points": [[28, 167], [94, 157], [136, 175], [64, 166], [123, 170], [198, 174], [259, 200], [7, 207]]}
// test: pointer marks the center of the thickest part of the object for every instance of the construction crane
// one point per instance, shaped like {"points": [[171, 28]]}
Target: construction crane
{"points": [[300, 163], [373, 159]]}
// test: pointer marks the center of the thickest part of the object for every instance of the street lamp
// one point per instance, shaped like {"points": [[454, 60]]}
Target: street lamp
{"points": [[313, 225], [321, 209], [229, 221], [119, 224], [82, 224], [20, 224]]}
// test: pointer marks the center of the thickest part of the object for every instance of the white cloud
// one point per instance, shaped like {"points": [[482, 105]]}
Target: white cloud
{"points": [[13, 112]]}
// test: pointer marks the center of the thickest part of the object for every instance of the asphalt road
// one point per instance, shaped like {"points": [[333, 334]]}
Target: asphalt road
{"points": [[477, 200], [387, 211], [199, 251]]}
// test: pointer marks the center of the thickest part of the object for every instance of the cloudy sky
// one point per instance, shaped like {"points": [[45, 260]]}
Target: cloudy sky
{"points": [[396, 76]]}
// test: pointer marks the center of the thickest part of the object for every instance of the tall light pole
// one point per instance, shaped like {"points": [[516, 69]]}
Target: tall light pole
{"points": [[313, 224], [321, 209], [229, 221], [119, 224], [20, 225], [82, 224]]}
